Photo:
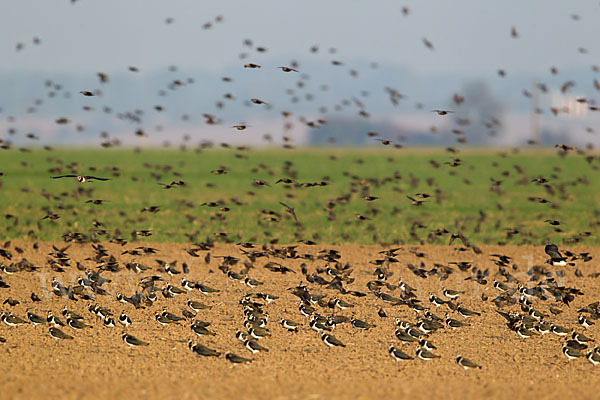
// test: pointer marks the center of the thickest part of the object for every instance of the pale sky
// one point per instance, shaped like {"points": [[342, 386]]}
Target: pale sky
{"points": [[471, 41], [469, 36]]}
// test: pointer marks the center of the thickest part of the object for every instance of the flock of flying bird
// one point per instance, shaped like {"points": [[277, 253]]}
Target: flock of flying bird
{"points": [[518, 303]]}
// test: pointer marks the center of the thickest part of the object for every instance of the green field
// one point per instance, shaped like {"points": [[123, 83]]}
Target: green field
{"points": [[326, 214]]}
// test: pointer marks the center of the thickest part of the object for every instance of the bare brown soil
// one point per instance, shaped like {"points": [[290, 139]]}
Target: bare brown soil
{"points": [[97, 364]]}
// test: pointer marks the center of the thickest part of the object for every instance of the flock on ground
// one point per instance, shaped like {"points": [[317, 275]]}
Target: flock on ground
{"points": [[519, 303], [326, 295]]}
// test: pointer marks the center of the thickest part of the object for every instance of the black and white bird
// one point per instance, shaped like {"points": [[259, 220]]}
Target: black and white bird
{"points": [[451, 294], [58, 334], [124, 319], [235, 359], [54, 321], [398, 355], [436, 301], [556, 259], [82, 178], [132, 341], [291, 326], [584, 321], [254, 347], [466, 363], [572, 353], [594, 356], [331, 341], [35, 319], [426, 355], [202, 350], [427, 345], [12, 320]]}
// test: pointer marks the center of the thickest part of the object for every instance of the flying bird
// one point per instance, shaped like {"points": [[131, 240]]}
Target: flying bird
{"points": [[82, 178]]}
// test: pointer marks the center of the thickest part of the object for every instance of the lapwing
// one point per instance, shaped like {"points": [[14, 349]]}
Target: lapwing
{"points": [[77, 323], [466, 313], [12, 320], [525, 333], [543, 327], [584, 321], [258, 333], [70, 314], [560, 330], [35, 319], [454, 323], [342, 305], [54, 321], [202, 350], [398, 355], [161, 319], [124, 319], [331, 341], [572, 353], [414, 332], [196, 306], [594, 356], [452, 294], [466, 363], [254, 347], [581, 338], [402, 324], [288, 69], [58, 334], [536, 314], [252, 282], [359, 324], [556, 259], [242, 336], [427, 326], [171, 316], [172, 290], [291, 326], [402, 336], [188, 285], [235, 359], [305, 309], [575, 345], [503, 287], [82, 178], [426, 355], [436, 301], [199, 329], [206, 289], [132, 341], [426, 344]]}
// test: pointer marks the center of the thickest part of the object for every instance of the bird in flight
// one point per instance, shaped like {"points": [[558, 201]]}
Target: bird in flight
{"points": [[556, 259], [442, 112], [82, 178], [288, 69], [290, 210]]}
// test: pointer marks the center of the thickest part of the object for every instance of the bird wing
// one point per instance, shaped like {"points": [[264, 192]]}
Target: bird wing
{"points": [[552, 251], [65, 176], [96, 178]]}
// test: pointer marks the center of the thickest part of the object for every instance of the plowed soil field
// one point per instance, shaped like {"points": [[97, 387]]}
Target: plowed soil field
{"points": [[98, 364]]}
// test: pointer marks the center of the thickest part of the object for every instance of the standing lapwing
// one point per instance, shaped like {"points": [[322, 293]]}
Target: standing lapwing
{"points": [[466, 363]]}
